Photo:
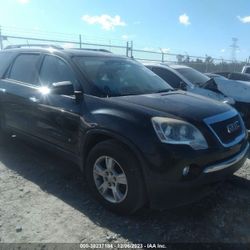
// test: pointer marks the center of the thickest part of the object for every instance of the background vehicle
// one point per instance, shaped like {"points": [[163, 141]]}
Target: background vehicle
{"points": [[213, 75], [246, 69], [135, 139], [219, 88], [234, 76]]}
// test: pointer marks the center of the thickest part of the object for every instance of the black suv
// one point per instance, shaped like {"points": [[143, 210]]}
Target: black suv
{"points": [[136, 139]]}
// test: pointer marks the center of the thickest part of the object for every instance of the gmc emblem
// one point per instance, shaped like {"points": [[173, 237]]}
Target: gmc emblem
{"points": [[232, 127]]}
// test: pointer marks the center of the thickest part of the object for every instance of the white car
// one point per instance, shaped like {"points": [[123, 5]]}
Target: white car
{"points": [[246, 69], [235, 93]]}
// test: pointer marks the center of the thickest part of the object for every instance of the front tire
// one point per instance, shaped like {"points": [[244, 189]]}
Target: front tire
{"points": [[114, 177]]}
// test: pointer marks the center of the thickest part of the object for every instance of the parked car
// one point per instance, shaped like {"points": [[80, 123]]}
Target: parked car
{"points": [[136, 140], [219, 88], [213, 75], [246, 69], [234, 76]]}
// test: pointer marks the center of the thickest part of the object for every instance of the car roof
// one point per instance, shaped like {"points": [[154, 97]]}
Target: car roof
{"points": [[172, 69], [69, 52], [178, 66], [173, 66]]}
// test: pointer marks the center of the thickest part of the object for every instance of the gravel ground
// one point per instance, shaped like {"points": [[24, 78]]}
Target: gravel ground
{"points": [[44, 199]]}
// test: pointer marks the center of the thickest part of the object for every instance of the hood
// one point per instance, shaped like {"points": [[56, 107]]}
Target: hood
{"points": [[178, 103], [238, 90], [208, 93]]}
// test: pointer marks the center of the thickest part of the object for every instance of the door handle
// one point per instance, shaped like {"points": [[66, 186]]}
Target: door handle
{"points": [[33, 99]]}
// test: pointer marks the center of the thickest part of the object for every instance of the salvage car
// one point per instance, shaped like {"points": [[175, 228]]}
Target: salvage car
{"points": [[219, 88], [235, 76], [136, 139]]}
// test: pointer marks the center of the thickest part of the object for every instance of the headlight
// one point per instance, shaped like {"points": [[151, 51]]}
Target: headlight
{"points": [[175, 131]]}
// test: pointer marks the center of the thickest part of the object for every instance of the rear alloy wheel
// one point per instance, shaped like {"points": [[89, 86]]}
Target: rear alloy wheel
{"points": [[114, 177]]}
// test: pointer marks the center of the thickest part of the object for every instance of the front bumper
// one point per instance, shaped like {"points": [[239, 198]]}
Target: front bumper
{"points": [[165, 192], [228, 163]]}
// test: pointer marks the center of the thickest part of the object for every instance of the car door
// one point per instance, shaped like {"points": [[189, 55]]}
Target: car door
{"points": [[19, 92], [59, 114]]}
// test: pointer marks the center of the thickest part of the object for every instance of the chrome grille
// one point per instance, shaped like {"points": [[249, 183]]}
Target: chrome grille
{"points": [[227, 127]]}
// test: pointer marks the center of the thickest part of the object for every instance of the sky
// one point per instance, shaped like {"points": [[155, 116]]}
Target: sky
{"points": [[194, 27]]}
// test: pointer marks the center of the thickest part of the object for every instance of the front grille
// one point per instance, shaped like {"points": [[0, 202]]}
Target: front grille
{"points": [[229, 128], [220, 128]]}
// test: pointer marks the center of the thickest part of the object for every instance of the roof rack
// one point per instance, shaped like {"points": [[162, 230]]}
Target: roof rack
{"points": [[100, 50], [18, 46]]}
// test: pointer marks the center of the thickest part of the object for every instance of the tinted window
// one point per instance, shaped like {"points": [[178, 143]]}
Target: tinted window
{"points": [[168, 76], [248, 70], [241, 77], [24, 68], [55, 70], [5, 58], [193, 75], [225, 74], [120, 76]]}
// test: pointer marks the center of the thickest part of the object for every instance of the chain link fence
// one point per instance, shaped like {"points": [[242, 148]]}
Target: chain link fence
{"points": [[12, 35]]}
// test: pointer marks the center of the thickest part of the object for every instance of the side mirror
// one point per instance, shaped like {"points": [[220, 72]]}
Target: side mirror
{"points": [[183, 85], [62, 88]]}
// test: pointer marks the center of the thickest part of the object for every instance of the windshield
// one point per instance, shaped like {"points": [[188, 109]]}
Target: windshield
{"points": [[117, 76], [194, 76]]}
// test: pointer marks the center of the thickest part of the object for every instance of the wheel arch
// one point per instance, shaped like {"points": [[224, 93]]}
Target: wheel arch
{"points": [[94, 136]]}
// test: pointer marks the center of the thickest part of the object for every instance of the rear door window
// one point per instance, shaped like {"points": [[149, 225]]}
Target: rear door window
{"points": [[25, 69]]}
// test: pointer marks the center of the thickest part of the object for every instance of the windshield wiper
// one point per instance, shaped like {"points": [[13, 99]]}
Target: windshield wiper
{"points": [[163, 90]]}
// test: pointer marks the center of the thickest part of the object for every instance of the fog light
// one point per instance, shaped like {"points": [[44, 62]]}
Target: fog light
{"points": [[185, 171]]}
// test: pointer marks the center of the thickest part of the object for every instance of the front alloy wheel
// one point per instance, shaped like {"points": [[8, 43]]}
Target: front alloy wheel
{"points": [[114, 176], [110, 179]]}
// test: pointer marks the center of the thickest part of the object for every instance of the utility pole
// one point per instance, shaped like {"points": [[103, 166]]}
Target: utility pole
{"points": [[131, 49], [162, 55], [127, 48], [234, 47], [80, 41]]}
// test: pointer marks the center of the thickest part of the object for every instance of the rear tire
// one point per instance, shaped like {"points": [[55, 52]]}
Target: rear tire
{"points": [[114, 177]]}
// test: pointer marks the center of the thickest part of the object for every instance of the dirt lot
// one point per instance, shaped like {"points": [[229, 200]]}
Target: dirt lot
{"points": [[44, 199]]}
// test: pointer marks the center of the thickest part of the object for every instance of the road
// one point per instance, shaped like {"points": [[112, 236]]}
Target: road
{"points": [[43, 198]]}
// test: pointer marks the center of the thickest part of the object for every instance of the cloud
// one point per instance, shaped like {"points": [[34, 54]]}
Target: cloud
{"points": [[125, 37], [23, 1], [107, 22], [222, 50], [245, 19], [184, 19]]}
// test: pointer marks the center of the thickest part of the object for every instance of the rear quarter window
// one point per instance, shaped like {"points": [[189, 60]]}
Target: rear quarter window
{"points": [[5, 60]]}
